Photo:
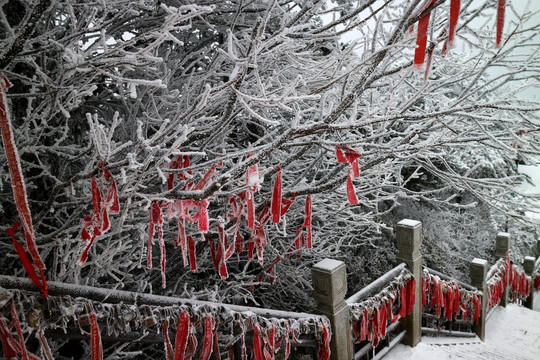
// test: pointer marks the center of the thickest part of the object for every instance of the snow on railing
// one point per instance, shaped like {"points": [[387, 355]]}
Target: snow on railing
{"points": [[376, 305], [450, 298], [201, 327]]}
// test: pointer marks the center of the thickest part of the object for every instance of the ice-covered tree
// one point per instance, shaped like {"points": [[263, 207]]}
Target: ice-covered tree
{"points": [[249, 139]]}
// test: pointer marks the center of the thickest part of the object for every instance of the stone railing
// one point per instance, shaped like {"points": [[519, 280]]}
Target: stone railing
{"points": [[464, 305], [386, 312], [391, 299]]}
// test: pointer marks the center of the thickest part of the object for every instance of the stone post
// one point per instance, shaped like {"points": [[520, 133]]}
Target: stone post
{"points": [[502, 246], [537, 248], [528, 266], [478, 271], [408, 241], [329, 278]]}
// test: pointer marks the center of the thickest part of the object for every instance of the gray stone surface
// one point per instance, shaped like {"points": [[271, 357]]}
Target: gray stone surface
{"points": [[502, 244], [478, 271], [329, 279], [408, 242]]}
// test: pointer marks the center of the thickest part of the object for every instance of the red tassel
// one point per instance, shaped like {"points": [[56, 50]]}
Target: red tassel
{"points": [[202, 215], [307, 221], [192, 258], [182, 334], [257, 344], [27, 264], [97, 349], [324, 344], [206, 178], [250, 210], [351, 193], [216, 345], [155, 219], [208, 338], [500, 21], [421, 41], [167, 342], [181, 239], [340, 155], [9, 346], [17, 180], [276, 198], [411, 290], [454, 15], [403, 298]]}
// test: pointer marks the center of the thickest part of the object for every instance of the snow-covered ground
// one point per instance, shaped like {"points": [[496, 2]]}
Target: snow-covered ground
{"points": [[534, 188], [511, 333]]}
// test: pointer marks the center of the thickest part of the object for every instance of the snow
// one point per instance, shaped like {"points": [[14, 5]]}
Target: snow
{"points": [[531, 189], [511, 333], [328, 265], [409, 223]]}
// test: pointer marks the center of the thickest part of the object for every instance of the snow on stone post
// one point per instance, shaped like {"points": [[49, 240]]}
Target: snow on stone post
{"points": [[409, 240], [502, 247], [329, 279], [478, 272], [528, 266]]}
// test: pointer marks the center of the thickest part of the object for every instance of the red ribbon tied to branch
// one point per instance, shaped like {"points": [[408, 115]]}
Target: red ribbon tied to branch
{"points": [[345, 154], [17, 179], [501, 6], [98, 222], [27, 264]]}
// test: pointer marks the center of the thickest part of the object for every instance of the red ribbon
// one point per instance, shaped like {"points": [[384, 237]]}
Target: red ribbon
{"points": [[500, 21], [97, 349], [276, 197]]}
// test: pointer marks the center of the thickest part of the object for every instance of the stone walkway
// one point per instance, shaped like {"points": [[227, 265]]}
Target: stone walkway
{"points": [[511, 333]]}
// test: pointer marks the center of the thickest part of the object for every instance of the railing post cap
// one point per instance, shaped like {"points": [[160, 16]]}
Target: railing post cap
{"points": [[503, 234], [329, 279], [528, 264], [409, 223], [328, 265], [479, 262]]}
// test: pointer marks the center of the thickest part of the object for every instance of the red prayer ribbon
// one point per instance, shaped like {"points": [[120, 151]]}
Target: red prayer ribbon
{"points": [[500, 21], [17, 179]]}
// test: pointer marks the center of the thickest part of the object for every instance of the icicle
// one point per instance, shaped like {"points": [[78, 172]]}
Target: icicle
{"points": [[500, 21], [276, 197]]}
